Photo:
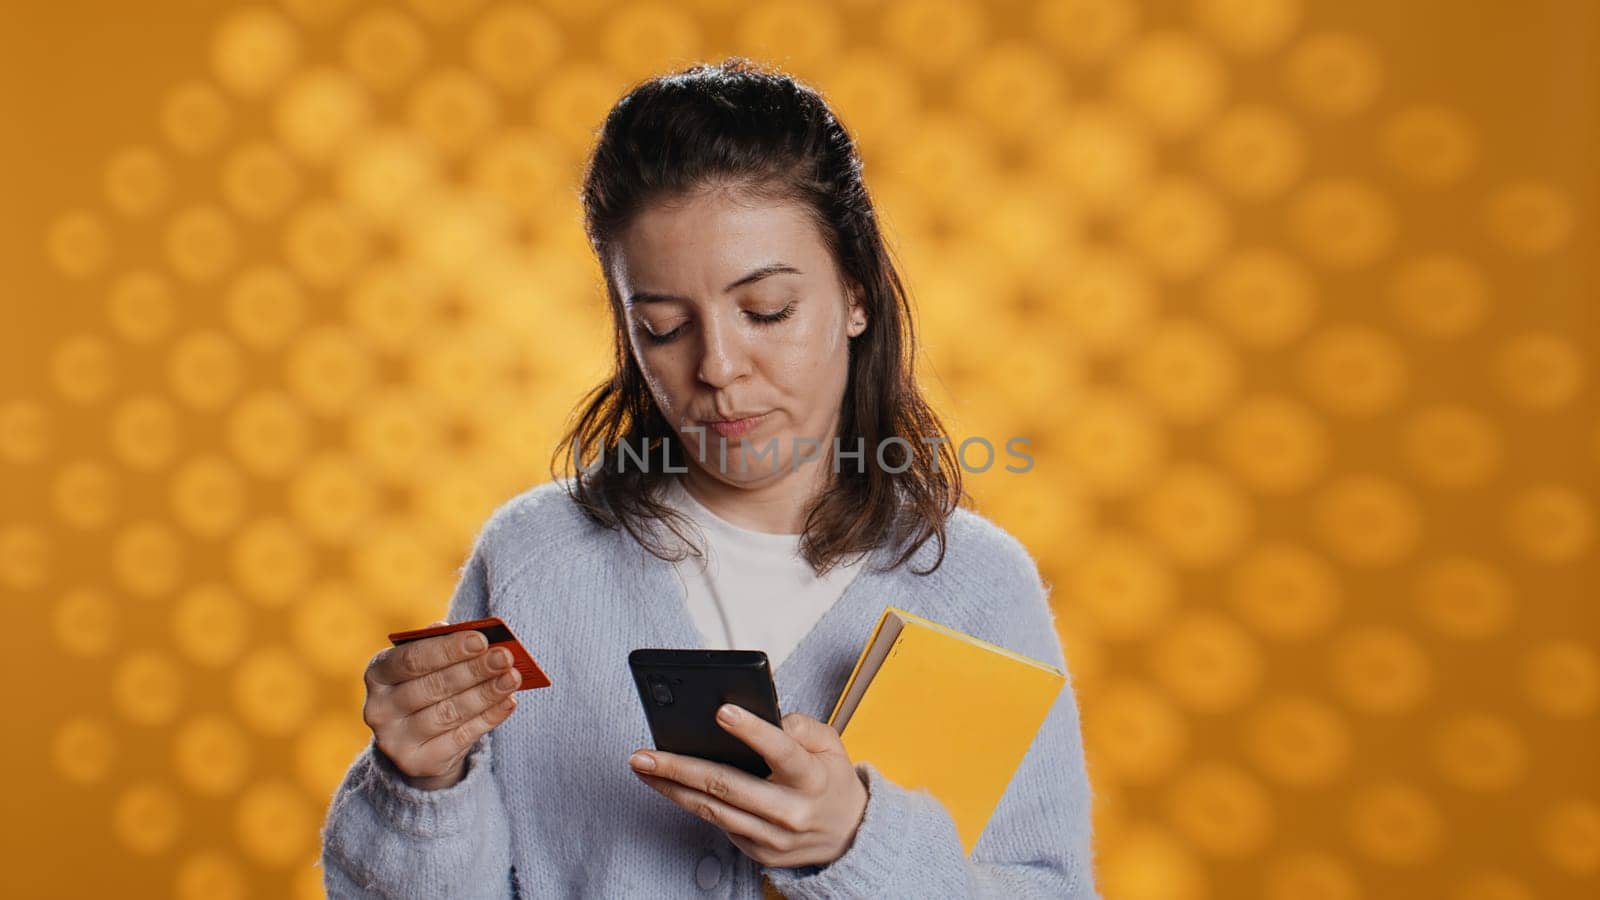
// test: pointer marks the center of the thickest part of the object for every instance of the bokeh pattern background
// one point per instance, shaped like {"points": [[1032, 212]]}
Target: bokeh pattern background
{"points": [[1295, 299]]}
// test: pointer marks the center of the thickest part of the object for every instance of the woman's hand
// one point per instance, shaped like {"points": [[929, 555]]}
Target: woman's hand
{"points": [[805, 813], [429, 700]]}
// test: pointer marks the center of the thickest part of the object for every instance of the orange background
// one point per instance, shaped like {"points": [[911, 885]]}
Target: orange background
{"points": [[1296, 299]]}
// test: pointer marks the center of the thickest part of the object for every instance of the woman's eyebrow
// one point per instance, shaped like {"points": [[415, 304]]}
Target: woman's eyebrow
{"points": [[763, 272], [756, 275]]}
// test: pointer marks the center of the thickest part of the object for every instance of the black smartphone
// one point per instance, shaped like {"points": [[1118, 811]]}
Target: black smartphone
{"points": [[682, 689]]}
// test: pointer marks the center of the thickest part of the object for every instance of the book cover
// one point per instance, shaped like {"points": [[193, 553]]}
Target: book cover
{"points": [[933, 708]]}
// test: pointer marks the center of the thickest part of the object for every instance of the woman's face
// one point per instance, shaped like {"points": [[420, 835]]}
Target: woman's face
{"points": [[735, 311]]}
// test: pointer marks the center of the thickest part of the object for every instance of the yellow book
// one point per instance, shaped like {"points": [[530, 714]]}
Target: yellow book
{"points": [[934, 708]]}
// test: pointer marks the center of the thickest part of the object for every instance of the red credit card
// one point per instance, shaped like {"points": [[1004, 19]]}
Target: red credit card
{"points": [[498, 634]]}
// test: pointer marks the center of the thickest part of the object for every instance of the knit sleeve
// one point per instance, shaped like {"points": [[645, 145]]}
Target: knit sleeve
{"points": [[1037, 843], [385, 838]]}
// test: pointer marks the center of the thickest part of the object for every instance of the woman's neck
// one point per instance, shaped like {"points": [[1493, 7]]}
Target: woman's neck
{"points": [[776, 506]]}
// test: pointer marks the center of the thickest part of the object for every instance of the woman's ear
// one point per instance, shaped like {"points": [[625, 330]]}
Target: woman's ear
{"points": [[858, 311]]}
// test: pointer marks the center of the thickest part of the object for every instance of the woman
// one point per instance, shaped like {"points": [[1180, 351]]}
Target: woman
{"points": [[758, 320]]}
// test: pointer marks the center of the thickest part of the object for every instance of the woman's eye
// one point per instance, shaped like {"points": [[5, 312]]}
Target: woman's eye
{"points": [[762, 318], [778, 316], [661, 338]]}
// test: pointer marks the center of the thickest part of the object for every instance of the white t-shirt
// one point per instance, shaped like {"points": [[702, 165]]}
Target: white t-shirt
{"points": [[753, 590]]}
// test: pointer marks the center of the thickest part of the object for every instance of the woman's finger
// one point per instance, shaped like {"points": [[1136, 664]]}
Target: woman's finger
{"points": [[421, 693], [416, 659], [735, 787], [790, 762], [724, 815], [459, 739], [432, 721]]}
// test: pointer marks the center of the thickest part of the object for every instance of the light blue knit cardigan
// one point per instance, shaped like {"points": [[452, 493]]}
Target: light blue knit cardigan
{"points": [[549, 806]]}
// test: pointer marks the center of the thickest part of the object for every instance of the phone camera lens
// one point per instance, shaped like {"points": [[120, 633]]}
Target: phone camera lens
{"points": [[660, 691]]}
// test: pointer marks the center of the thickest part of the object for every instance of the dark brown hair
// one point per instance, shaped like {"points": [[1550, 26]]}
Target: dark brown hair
{"points": [[765, 134]]}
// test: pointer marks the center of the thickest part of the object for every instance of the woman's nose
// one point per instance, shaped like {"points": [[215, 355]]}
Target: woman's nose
{"points": [[723, 357]]}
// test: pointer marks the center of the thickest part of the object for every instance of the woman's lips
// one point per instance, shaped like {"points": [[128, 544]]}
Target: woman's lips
{"points": [[737, 427]]}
